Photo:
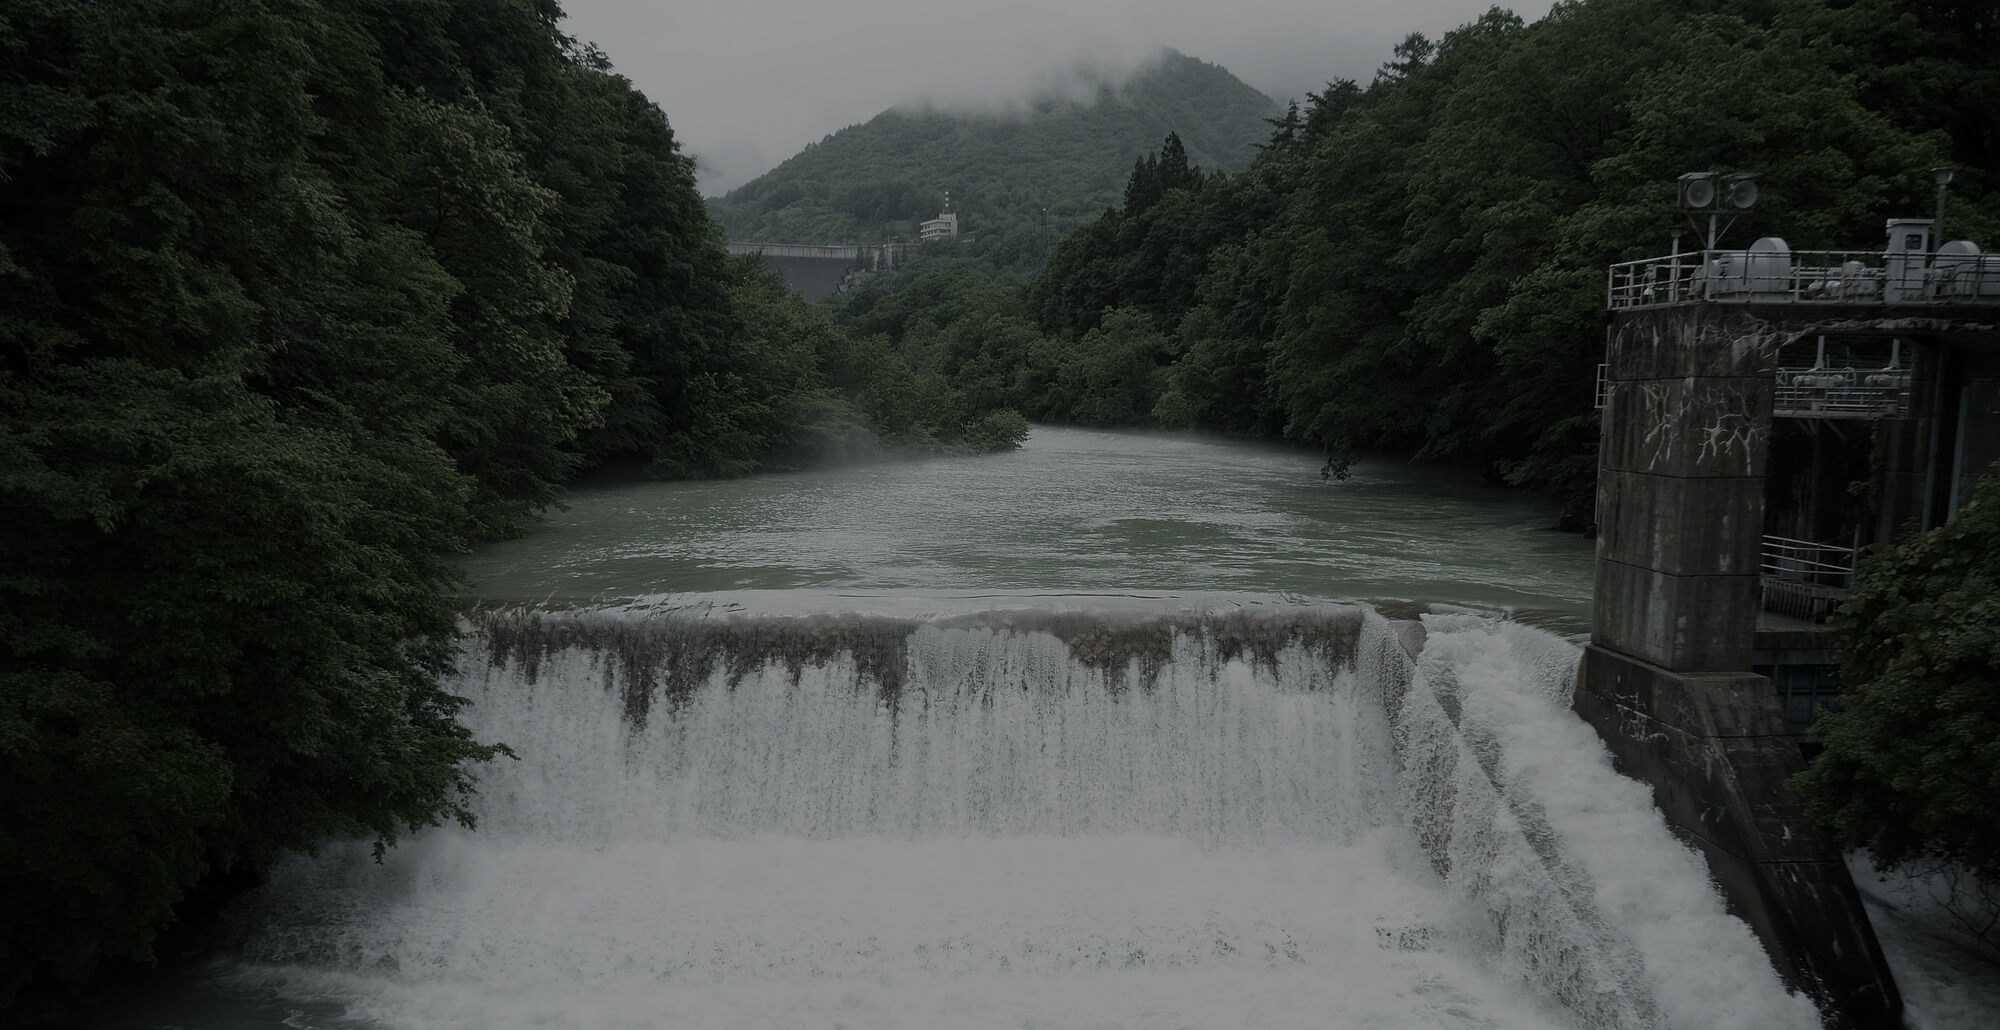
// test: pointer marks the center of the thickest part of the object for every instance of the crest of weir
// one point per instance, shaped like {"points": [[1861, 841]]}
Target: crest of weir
{"points": [[1233, 728]]}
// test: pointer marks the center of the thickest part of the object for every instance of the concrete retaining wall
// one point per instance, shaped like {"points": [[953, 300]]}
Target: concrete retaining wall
{"points": [[1715, 750]]}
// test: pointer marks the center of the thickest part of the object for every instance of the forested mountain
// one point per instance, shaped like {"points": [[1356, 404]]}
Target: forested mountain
{"points": [[1416, 265], [297, 300], [1069, 155]]}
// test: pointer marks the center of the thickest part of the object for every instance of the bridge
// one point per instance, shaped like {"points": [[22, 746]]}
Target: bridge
{"points": [[816, 272], [1731, 390]]}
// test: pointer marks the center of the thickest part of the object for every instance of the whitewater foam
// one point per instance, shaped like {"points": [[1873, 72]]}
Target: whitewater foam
{"points": [[1275, 818]]}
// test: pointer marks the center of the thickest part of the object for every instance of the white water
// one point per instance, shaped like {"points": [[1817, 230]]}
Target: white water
{"points": [[1946, 976], [1032, 832]]}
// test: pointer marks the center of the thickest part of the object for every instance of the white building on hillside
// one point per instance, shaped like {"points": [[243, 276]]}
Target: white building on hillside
{"points": [[943, 227]]}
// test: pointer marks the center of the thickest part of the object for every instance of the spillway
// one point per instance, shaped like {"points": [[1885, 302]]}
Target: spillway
{"points": [[1270, 816]]}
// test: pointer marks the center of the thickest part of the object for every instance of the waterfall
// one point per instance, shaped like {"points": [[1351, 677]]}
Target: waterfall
{"points": [[1274, 816]]}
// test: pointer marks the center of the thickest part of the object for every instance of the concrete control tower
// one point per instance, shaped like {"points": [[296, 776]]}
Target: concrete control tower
{"points": [[1879, 367]]}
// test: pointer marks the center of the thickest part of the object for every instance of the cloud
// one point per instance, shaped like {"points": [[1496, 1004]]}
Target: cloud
{"points": [[747, 83]]}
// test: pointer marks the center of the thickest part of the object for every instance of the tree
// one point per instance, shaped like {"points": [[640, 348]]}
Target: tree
{"points": [[224, 509], [1911, 761], [1116, 373]]}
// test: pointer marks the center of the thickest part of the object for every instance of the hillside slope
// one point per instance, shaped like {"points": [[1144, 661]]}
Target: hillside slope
{"points": [[1070, 156]]}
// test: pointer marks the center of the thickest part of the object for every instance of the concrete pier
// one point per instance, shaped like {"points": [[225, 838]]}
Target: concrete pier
{"points": [[1666, 678]]}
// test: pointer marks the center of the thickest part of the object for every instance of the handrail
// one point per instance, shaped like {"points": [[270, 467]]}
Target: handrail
{"points": [[1803, 578], [1787, 558], [1841, 392], [1817, 277], [1822, 393]]}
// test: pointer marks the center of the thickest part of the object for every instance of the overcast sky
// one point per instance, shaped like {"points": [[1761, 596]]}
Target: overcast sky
{"points": [[747, 83]]}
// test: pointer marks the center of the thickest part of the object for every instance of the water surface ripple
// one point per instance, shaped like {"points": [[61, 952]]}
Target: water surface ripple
{"points": [[1073, 513]]}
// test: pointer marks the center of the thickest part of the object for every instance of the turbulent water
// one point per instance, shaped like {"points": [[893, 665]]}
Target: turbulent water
{"points": [[1272, 818], [1074, 738]]}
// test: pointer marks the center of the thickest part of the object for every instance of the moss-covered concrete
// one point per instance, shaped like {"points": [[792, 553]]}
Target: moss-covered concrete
{"points": [[664, 659]]}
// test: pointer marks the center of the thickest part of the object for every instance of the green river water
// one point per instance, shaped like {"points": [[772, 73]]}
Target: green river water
{"points": [[1073, 513]]}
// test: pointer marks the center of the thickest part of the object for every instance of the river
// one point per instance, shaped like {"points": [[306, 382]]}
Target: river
{"points": [[1115, 731], [1073, 513]]}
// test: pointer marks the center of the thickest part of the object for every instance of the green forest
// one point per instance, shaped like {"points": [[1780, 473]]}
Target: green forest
{"points": [[298, 299], [1022, 179], [1415, 266]]}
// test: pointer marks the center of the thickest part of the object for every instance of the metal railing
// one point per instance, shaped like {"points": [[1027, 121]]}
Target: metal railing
{"points": [[1804, 277], [1830, 393], [1854, 393], [1804, 579]]}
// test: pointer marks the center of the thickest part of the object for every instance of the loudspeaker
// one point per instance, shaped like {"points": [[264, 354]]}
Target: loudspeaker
{"points": [[1698, 192], [1739, 191]]}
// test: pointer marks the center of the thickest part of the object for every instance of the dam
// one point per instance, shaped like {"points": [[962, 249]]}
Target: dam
{"points": [[818, 272]]}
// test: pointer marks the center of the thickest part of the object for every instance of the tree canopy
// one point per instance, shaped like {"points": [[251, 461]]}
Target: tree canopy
{"points": [[1911, 761], [298, 298]]}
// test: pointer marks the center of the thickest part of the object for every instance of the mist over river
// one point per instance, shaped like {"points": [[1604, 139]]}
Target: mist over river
{"points": [[1116, 731]]}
